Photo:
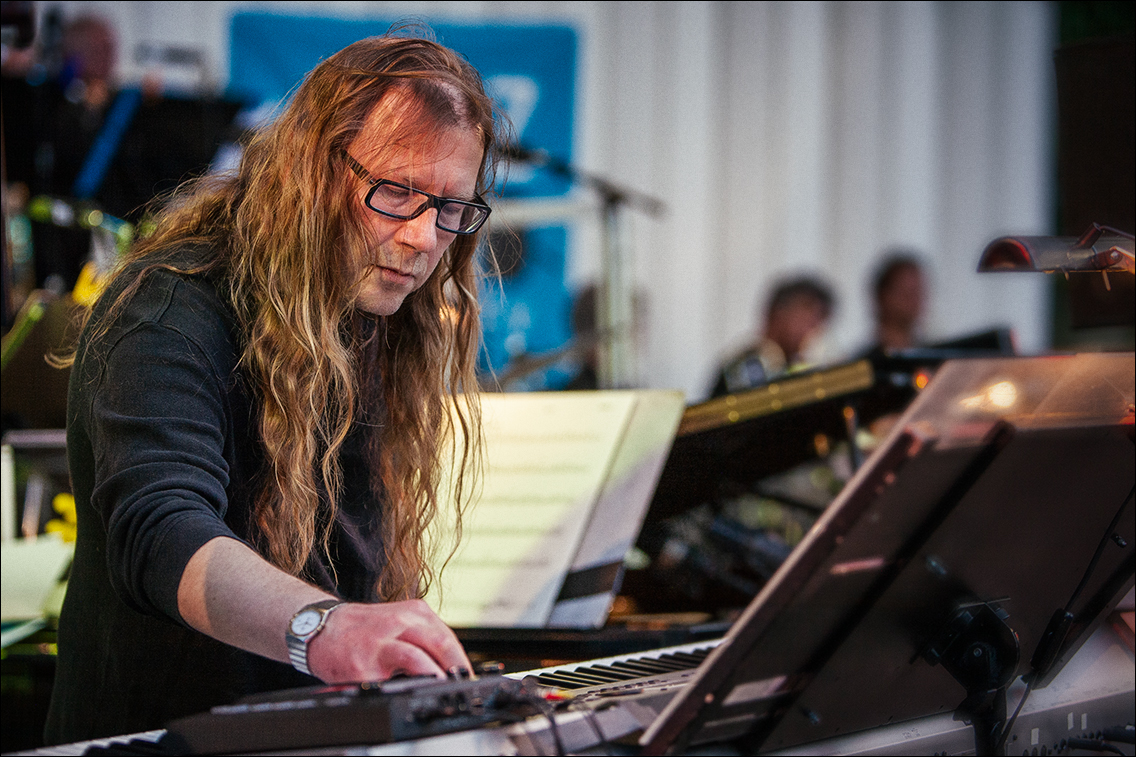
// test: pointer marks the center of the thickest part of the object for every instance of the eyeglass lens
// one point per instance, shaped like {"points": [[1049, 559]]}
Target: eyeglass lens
{"points": [[400, 201]]}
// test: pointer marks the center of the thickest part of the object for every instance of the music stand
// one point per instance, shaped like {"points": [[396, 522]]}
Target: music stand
{"points": [[989, 508]]}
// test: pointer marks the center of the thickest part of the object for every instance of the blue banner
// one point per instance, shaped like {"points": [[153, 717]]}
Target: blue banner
{"points": [[529, 70]]}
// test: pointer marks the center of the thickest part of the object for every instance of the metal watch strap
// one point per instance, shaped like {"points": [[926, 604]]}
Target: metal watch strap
{"points": [[298, 646]]}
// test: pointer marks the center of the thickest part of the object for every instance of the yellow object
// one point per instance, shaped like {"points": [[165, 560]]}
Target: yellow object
{"points": [[88, 286], [65, 526]]}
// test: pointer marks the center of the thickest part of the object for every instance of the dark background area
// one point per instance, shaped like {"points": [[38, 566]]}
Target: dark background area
{"points": [[1095, 68]]}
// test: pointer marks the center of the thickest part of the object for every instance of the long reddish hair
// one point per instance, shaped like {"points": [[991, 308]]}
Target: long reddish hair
{"points": [[286, 229]]}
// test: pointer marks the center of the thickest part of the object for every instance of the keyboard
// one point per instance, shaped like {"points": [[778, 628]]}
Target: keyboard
{"points": [[623, 674], [143, 743]]}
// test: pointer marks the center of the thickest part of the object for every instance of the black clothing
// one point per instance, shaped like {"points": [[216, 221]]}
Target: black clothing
{"points": [[164, 455], [751, 367]]}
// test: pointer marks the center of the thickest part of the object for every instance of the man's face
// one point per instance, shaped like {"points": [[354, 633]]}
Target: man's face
{"points": [[902, 301], [793, 325], [403, 254]]}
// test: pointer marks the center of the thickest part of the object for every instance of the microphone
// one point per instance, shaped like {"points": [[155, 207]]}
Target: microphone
{"points": [[524, 154], [613, 195]]}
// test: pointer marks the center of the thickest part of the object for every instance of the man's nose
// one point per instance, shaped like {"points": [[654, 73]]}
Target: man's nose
{"points": [[421, 233]]}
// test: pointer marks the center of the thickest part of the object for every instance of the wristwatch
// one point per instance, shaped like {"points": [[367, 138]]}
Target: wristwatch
{"points": [[303, 627]]}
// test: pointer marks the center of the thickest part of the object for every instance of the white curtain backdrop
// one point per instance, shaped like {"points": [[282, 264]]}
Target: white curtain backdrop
{"points": [[783, 137], [788, 137]]}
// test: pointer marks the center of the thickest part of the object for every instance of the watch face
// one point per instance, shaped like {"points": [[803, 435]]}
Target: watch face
{"points": [[306, 622]]}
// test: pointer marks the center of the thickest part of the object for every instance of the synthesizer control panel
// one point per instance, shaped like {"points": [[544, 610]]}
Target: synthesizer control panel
{"points": [[401, 709]]}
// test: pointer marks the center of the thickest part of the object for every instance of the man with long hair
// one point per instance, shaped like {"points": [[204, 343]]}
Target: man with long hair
{"points": [[264, 398]]}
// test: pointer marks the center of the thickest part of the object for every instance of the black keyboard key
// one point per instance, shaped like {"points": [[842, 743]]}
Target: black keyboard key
{"points": [[642, 668]]}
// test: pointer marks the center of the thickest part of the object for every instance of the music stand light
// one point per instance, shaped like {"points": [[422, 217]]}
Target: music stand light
{"points": [[1101, 248]]}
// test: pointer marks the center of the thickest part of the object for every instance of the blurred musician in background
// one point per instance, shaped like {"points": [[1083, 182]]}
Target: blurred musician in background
{"points": [[586, 339], [67, 124], [796, 313], [260, 404], [899, 290]]}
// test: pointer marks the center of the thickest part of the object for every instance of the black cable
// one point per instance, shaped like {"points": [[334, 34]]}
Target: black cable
{"points": [[1054, 636], [593, 721], [1092, 745], [551, 715], [1100, 549], [549, 712], [1013, 719], [1122, 733]]}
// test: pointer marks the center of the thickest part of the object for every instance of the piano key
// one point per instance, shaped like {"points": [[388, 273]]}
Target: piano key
{"points": [[667, 663], [694, 659], [649, 657], [136, 743], [580, 674], [635, 670], [639, 668], [625, 670], [570, 679], [643, 657], [598, 673], [616, 674], [646, 667]]}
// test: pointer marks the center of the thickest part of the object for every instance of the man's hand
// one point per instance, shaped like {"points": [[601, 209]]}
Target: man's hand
{"points": [[372, 642], [231, 593]]}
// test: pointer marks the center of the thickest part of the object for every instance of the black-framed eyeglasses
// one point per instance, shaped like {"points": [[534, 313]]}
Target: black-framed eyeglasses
{"points": [[394, 200]]}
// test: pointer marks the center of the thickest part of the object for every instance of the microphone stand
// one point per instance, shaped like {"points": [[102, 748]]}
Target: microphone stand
{"points": [[614, 308]]}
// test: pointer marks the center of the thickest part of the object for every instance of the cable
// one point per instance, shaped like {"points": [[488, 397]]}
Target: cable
{"points": [[1100, 549], [1092, 745], [1122, 733], [1050, 643], [549, 712], [593, 721], [1013, 719], [1049, 646]]}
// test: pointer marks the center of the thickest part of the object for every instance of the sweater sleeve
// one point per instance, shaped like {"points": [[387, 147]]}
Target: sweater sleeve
{"points": [[160, 425]]}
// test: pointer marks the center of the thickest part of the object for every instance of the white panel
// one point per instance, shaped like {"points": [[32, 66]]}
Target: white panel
{"points": [[1027, 189], [685, 109], [908, 163], [799, 245], [858, 181], [744, 172]]}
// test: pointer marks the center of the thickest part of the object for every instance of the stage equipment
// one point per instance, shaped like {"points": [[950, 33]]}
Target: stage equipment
{"points": [[1002, 499], [1100, 249], [614, 316], [1087, 711], [400, 709], [750, 472], [970, 557]]}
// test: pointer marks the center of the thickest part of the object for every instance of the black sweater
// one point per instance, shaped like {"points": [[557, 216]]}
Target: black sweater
{"points": [[164, 455]]}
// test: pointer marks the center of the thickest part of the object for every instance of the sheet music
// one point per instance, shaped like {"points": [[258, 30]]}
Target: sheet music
{"points": [[623, 502], [548, 455], [31, 571]]}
